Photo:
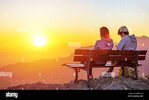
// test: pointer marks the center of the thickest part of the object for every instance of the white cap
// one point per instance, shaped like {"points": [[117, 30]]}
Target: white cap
{"points": [[123, 29]]}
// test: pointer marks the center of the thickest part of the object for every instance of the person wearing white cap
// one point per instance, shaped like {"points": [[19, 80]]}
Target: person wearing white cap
{"points": [[128, 42]]}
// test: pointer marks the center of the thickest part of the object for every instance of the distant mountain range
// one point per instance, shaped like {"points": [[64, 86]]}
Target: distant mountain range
{"points": [[52, 71], [44, 70]]}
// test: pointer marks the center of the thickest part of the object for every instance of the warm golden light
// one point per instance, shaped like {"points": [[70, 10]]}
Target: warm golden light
{"points": [[39, 41]]}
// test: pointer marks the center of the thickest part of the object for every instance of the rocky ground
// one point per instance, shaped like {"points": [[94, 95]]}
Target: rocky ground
{"points": [[101, 83]]}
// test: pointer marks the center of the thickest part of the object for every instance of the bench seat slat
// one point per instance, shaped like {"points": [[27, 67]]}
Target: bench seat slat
{"points": [[143, 52], [114, 58], [141, 57], [118, 58], [108, 52], [75, 65], [113, 52], [79, 65]]}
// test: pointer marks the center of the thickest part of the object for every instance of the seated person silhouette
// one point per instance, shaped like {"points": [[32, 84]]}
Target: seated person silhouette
{"points": [[105, 43]]}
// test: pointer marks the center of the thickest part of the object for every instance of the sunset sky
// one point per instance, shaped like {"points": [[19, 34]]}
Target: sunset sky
{"points": [[64, 23]]}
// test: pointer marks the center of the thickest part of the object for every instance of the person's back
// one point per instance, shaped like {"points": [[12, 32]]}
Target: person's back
{"points": [[129, 42], [104, 44]]}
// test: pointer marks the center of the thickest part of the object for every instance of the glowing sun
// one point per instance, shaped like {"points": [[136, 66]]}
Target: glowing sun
{"points": [[39, 41]]}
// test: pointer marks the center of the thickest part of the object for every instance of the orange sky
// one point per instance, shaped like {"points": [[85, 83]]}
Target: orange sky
{"points": [[64, 22]]}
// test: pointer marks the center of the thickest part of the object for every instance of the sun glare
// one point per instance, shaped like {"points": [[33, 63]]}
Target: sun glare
{"points": [[39, 41]]}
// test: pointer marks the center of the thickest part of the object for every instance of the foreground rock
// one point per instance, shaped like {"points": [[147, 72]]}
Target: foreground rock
{"points": [[117, 83]]}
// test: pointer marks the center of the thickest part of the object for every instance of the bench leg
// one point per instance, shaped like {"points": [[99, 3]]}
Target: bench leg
{"points": [[88, 73], [76, 75], [123, 70], [136, 73]]}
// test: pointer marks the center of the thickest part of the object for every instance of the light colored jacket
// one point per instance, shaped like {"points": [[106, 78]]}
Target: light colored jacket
{"points": [[129, 42]]}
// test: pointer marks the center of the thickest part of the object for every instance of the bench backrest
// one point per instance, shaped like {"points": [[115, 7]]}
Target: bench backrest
{"points": [[82, 55]]}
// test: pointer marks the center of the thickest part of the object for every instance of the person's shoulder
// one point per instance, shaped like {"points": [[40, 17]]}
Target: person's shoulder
{"points": [[133, 35], [108, 40], [98, 41], [124, 38]]}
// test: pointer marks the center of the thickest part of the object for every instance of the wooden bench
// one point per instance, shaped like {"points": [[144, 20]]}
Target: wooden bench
{"points": [[84, 57]]}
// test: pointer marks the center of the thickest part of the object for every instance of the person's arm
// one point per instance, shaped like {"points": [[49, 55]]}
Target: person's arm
{"points": [[111, 46], [121, 44]]}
